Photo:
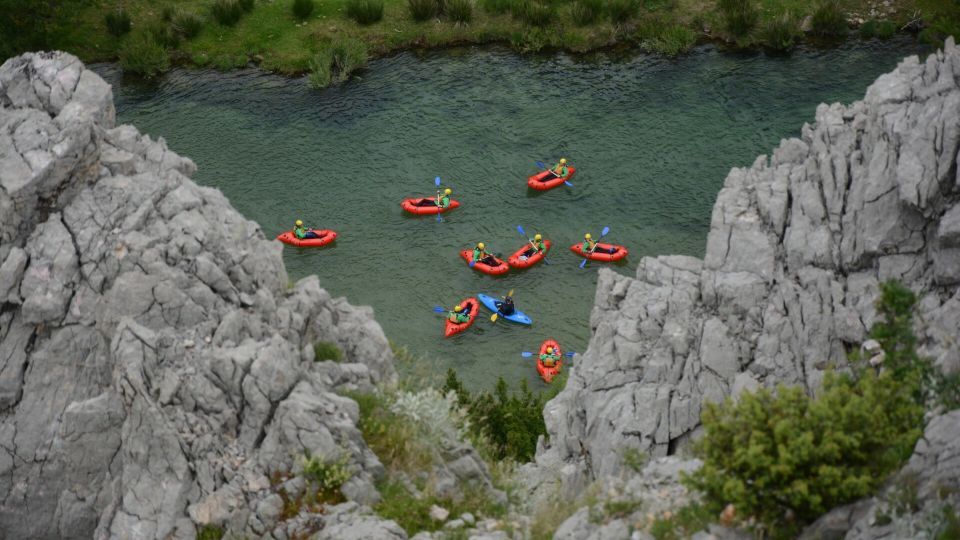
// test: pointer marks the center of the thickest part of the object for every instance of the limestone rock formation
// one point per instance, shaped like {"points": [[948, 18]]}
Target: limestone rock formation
{"points": [[157, 369], [798, 244]]}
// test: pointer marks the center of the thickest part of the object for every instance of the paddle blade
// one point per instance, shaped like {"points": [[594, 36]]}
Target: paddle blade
{"points": [[568, 183], [526, 354], [583, 263], [471, 263], [510, 293], [439, 309], [569, 354], [436, 181], [604, 232], [493, 318], [520, 230], [439, 219]]}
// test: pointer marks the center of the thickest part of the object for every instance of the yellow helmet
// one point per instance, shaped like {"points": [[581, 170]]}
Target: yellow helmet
{"points": [[299, 223], [563, 160], [537, 237], [458, 307], [549, 350], [447, 191], [587, 236], [480, 245]]}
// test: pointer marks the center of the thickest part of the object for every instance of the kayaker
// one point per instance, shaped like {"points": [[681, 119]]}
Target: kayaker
{"points": [[537, 247], [506, 306], [302, 232], [560, 169], [460, 314], [444, 201], [479, 255], [590, 246], [549, 358]]}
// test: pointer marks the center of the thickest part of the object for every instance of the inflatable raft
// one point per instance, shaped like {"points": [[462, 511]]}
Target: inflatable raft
{"points": [[325, 237], [500, 268], [516, 261], [545, 180], [548, 373], [452, 328], [517, 316], [619, 253], [410, 205]]}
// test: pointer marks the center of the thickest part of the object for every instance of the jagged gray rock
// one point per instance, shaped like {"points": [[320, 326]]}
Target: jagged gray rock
{"points": [[156, 371], [798, 245]]}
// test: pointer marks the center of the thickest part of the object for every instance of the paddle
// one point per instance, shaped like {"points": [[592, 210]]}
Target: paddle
{"points": [[542, 166], [493, 318], [439, 309], [520, 230], [602, 234], [437, 182], [528, 354]]}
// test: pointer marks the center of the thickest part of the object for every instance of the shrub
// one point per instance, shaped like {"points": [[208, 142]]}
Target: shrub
{"points": [[940, 28], [302, 8], [141, 54], [586, 12], [620, 11], [774, 456], [365, 11], [532, 12], [497, 7], [391, 436], [187, 23], [166, 14], [683, 523], [245, 6], [671, 40], [164, 35], [780, 32], [325, 350], [422, 10], [828, 19], [118, 22], [326, 476], [739, 16], [348, 56], [320, 73], [460, 11], [209, 532], [413, 513], [226, 12]]}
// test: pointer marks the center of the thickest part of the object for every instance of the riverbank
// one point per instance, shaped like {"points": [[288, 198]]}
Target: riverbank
{"points": [[269, 34]]}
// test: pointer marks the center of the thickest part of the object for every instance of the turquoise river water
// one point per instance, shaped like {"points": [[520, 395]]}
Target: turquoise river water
{"points": [[652, 138]]}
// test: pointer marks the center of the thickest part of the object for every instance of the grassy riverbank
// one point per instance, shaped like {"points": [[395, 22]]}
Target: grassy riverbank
{"points": [[268, 33]]}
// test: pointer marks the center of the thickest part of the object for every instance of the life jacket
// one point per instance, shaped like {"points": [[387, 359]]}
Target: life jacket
{"points": [[300, 232], [540, 247], [587, 245], [478, 254], [560, 170], [444, 201]]}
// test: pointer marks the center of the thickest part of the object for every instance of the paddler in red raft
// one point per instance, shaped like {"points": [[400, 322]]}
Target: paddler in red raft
{"points": [[442, 202], [479, 255], [590, 246], [560, 170], [459, 314], [549, 358], [302, 232]]}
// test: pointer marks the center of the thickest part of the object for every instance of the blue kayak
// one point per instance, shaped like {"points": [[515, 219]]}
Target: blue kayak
{"points": [[490, 303]]}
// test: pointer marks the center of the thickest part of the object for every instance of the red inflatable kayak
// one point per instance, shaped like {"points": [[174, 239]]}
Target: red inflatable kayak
{"points": [[501, 267], [602, 256], [515, 261], [548, 373], [452, 328], [545, 180], [326, 236], [410, 205]]}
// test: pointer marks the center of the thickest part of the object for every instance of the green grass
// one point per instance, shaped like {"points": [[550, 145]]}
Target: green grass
{"points": [[586, 12], [621, 11], [325, 350], [682, 523], [365, 12], [671, 40], [226, 12], [141, 54], [413, 514], [829, 19], [422, 10], [209, 532], [118, 22], [459, 11], [302, 9], [739, 16], [780, 33]]}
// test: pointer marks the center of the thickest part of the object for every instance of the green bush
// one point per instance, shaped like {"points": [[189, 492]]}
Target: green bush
{"points": [[164, 35], [347, 56], [780, 33], [497, 7], [789, 455], [326, 476], [532, 12], [683, 523], [460, 11], [365, 11], [187, 23], [302, 8], [321, 74], [621, 11], [586, 12], [828, 19], [245, 6], [166, 14], [391, 436], [118, 22], [413, 513], [226, 12], [325, 350], [422, 10], [209, 532], [940, 28], [141, 54], [670, 40], [739, 16]]}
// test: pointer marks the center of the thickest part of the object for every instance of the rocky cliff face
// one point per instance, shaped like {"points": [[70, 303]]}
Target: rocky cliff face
{"points": [[157, 371], [797, 246]]}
